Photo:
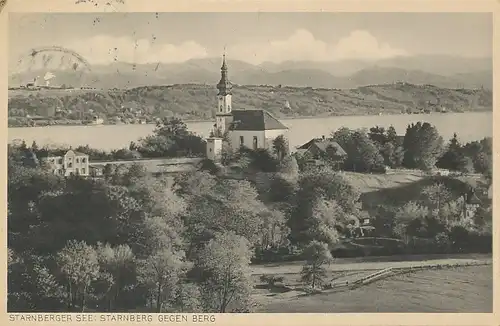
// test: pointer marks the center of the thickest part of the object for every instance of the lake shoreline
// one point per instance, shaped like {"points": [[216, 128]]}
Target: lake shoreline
{"points": [[279, 118], [469, 126]]}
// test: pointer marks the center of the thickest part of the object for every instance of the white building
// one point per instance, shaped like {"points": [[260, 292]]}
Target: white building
{"points": [[255, 129], [72, 163]]}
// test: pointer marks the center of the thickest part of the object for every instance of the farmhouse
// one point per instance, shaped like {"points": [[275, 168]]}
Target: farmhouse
{"points": [[255, 129], [323, 148]]}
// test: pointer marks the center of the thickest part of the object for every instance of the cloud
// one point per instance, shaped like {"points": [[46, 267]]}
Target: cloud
{"points": [[104, 49], [302, 45]]}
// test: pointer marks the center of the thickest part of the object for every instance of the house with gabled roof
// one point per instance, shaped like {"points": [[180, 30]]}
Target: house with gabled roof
{"points": [[253, 128], [320, 149]]}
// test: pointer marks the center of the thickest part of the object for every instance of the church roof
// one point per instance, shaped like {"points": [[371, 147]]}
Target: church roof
{"points": [[255, 120]]}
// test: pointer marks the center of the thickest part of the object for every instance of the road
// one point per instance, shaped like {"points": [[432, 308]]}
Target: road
{"points": [[348, 264]]}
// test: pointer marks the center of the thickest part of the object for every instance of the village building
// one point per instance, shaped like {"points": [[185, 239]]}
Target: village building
{"points": [[254, 129], [71, 163], [472, 204], [321, 149]]}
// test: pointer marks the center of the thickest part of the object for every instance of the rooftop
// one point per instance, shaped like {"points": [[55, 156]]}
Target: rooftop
{"points": [[255, 120], [76, 153], [322, 144]]}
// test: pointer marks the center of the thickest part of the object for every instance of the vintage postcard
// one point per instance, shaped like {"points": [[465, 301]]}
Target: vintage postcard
{"points": [[222, 162]]}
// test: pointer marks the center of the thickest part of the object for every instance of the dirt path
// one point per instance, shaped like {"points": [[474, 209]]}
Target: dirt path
{"points": [[350, 265]]}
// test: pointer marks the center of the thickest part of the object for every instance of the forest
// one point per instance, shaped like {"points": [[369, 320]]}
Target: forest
{"points": [[131, 241]]}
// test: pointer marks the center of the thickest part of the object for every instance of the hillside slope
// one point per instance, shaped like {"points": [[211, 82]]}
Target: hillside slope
{"points": [[198, 101]]}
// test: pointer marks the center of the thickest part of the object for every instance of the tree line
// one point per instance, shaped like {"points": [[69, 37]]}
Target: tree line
{"points": [[422, 147], [170, 138]]}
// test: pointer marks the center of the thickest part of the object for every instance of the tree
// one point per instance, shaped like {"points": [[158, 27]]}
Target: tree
{"points": [[261, 160], [187, 298], [313, 185], [317, 255], [481, 154], [397, 157], [161, 274], [387, 151], [226, 280], [280, 147], [436, 195], [422, 145], [227, 153], [377, 135], [303, 159], [273, 229], [32, 286], [327, 218], [218, 205], [454, 158], [171, 138], [391, 136], [452, 210], [362, 153], [169, 127], [79, 263], [118, 263], [405, 218], [289, 168]]}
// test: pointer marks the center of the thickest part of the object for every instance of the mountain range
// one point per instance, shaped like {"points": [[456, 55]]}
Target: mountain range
{"points": [[439, 70]]}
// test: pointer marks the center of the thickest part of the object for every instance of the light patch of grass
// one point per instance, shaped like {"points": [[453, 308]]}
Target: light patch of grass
{"points": [[462, 289], [366, 182]]}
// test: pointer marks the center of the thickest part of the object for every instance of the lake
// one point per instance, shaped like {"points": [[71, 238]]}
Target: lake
{"points": [[469, 126]]}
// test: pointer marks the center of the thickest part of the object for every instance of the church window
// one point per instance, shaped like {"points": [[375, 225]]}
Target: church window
{"points": [[242, 140], [220, 108], [254, 142], [229, 107]]}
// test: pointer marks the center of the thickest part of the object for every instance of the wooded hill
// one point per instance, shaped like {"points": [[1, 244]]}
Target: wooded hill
{"points": [[190, 101]]}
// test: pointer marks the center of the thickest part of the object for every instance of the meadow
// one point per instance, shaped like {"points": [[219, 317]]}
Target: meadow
{"points": [[461, 289]]}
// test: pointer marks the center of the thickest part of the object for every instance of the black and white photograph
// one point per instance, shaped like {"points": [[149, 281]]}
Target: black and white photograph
{"points": [[250, 162]]}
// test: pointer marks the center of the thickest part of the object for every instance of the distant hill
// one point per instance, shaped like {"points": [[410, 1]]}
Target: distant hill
{"points": [[441, 71], [198, 101]]}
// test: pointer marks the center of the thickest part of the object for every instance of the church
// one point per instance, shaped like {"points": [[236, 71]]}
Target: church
{"points": [[252, 128]]}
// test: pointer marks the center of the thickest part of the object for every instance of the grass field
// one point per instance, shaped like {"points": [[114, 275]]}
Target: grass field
{"points": [[373, 182], [462, 289], [397, 189]]}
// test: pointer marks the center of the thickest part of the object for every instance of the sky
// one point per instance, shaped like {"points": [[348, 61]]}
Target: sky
{"points": [[251, 37]]}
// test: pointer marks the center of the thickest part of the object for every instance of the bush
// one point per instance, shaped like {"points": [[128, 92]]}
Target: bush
{"points": [[271, 280]]}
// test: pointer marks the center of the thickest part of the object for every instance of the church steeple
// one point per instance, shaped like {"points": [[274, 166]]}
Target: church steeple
{"points": [[223, 111], [224, 86]]}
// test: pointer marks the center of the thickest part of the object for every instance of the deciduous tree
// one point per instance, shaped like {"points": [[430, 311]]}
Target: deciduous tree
{"points": [[79, 263], [226, 283], [317, 255]]}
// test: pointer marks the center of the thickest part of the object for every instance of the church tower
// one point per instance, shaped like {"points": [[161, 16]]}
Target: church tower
{"points": [[223, 112]]}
